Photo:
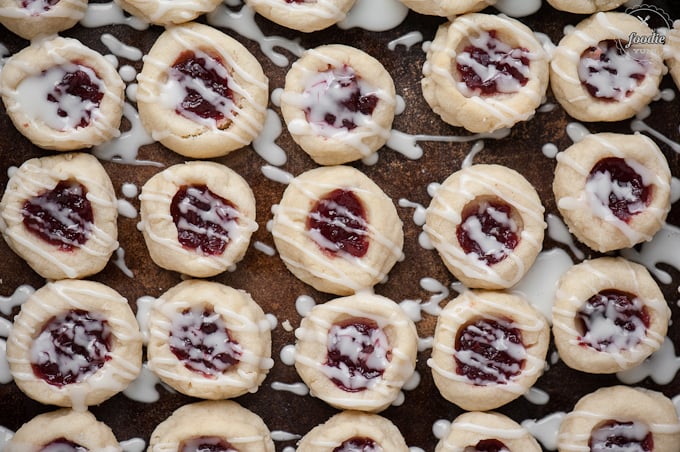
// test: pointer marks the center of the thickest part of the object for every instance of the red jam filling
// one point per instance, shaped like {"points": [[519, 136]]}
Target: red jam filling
{"points": [[488, 66], [609, 72], [619, 187], [621, 436], [489, 351], [488, 229], [488, 445], [63, 445], [206, 444], [338, 223], [357, 353], [77, 84], [38, 6], [203, 219], [200, 339], [357, 444], [71, 347], [612, 319], [62, 216]]}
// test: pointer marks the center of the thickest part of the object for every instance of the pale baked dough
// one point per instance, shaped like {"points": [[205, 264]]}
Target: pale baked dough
{"points": [[447, 8], [36, 19], [339, 273], [161, 92], [81, 428], [168, 12], [569, 87], [161, 233], [468, 429], [220, 420], [672, 52], [580, 198], [450, 97], [315, 87], [514, 312], [585, 6], [396, 358], [31, 74], [348, 425], [38, 176], [124, 358], [588, 279], [649, 410], [236, 312], [467, 188], [305, 16]]}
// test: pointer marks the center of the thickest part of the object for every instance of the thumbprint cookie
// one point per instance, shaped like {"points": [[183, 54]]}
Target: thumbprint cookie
{"points": [[489, 348], [197, 218], [597, 75], [338, 103], [209, 340], [212, 425], [350, 431], [585, 6], [485, 72], [62, 95], [621, 418], [32, 18], [672, 52], [59, 214], [74, 343], [608, 315], [356, 352], [303, 15], [336, 230], [447, 8], [201, 93], [168, 12], [613, 190], [486, 222]]}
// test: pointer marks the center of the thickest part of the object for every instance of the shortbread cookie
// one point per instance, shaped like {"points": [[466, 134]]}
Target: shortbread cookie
{"points": [[74, 343], [209, 340], [478, 431], [489, 348], [630, 418], [354, 431], [168, 12], [62, 95], [303, 15], [613, 190], [356, 352], [595, 76], [338, 103], [486, 222], [485, 72], [447, 8], [197, 218], [609, 315], [336, 230], [59, 214], [33, 18], [201, 93], [212, 425], [672, 52], [585, 6]]}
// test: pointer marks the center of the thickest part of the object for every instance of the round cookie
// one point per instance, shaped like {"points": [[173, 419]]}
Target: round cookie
{"points": [[585, 6], [209, 340], [303, 16], [468, 368], [62, 95], [43, 201], [633, 415], [336, 230], [354, 431], [203, 116], [338, 103], [74, 343], [487, 431], [168, 12], [595, 79], [197, 218], [485, 72], [30, 19], [613, 190], [608, 315], [356, 352], [447, 8], [486, 222], [211, 424]]}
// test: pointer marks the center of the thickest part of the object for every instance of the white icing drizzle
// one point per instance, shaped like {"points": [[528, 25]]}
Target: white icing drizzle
{"points": [[414, 308], [126, 209], [144, 305], [143, 388], [265, 143], [119, 261], [109, 13], [304, 305], [299, 389], [550, 150], [577, 131], [133, 445], [559, 232], [129, 190], [407, 144], [5, 374], [321, 9], [518, 8], [121, 49], [5, 436], [661, 249], [537, 396], [287, 354], [375, 15], [638, 125], [280, 435], [124, 148], [441, 428], [277, 175], [661, 366], [264, 248], [408, 40], [65, 9], [545, 430], [17, 298]]}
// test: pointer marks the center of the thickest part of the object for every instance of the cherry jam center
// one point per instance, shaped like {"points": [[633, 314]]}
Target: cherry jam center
{"points": [[337, 223], [71, 347], [200, 339], [358, 353], [619, 436], [203, 219], [619, 187], [77, 87], [489, 351], [488, 445], [206, 444], [37, 7], [358, 444], [63, 445], [488, 230]]}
